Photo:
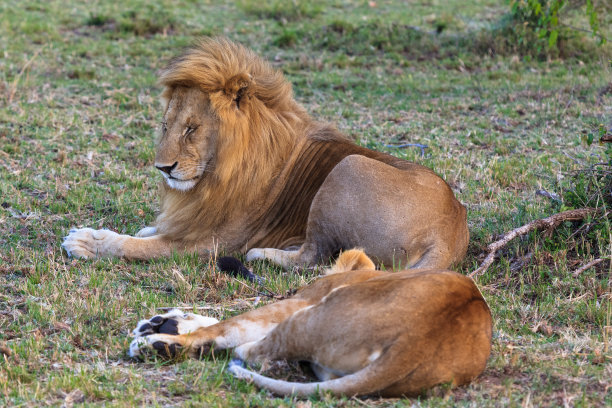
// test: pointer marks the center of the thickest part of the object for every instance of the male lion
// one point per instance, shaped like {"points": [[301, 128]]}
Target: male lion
{"points": [[363, 331], [246, 167]]}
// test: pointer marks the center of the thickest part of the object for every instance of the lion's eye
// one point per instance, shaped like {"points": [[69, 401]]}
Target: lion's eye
{"points": [[189, 130]]}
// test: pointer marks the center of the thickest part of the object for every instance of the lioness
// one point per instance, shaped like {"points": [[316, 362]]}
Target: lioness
{"points": [[363, 331], [245, 166]]}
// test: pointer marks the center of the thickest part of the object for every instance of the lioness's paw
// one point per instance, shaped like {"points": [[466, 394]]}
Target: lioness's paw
{"points": [[173, 322], [90, 243], [159, 333], [162, 344]]}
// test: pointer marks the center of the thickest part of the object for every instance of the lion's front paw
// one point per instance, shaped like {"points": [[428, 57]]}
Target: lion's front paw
{"points": [[90, 243], [160, 333]]}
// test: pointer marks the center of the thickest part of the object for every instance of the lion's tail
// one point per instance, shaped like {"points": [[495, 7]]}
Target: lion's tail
{"points": [[373, 378]]}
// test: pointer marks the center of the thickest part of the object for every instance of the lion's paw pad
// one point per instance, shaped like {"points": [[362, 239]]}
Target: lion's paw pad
{"points": [[157, 333], [173, 322], [158, 344]]}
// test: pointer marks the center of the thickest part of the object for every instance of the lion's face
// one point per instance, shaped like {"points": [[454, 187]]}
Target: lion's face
{"points": [[188, 138]]}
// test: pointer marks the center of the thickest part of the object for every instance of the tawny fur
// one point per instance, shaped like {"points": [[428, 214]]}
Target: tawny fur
{"points": [[246, 168], [364, 331], [350, 260]]}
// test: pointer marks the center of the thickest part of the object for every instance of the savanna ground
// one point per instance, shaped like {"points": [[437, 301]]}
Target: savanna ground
{"points": [[78, 117]]}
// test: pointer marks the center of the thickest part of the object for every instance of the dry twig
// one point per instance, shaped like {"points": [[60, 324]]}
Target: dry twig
{"points": [[587, 266], [552, 196], [549, 223]]}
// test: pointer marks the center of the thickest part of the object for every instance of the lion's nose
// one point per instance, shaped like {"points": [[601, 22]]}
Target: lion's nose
{"points": [[166, 169]]}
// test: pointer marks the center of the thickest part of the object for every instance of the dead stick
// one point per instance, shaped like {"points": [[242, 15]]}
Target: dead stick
{"points": [[587, 266], [549, 223]]}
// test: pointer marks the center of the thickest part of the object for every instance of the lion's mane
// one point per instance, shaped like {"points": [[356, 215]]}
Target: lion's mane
{"points": [[259, 125]]}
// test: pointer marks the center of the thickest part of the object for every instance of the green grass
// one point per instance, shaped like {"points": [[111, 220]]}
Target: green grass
{"points": [[78, 116]]}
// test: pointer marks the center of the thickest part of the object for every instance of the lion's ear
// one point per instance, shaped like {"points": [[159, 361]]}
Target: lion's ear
{"points": [[351, 260], [238, 87], [164, 98]]}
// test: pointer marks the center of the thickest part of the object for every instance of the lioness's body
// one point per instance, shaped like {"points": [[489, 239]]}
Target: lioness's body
{"points": [[364, 331], [245, 167]]}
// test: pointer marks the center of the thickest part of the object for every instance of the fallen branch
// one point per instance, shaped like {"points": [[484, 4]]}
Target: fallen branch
{"points": [[584, 30], [587, 266], [547, 194], [549, 223]]}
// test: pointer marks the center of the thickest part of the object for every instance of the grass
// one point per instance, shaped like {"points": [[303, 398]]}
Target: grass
{"points": [[79, 112]]}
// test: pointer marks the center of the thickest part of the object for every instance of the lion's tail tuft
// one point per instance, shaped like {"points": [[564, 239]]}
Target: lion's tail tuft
{"points": [[234, 267]]}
